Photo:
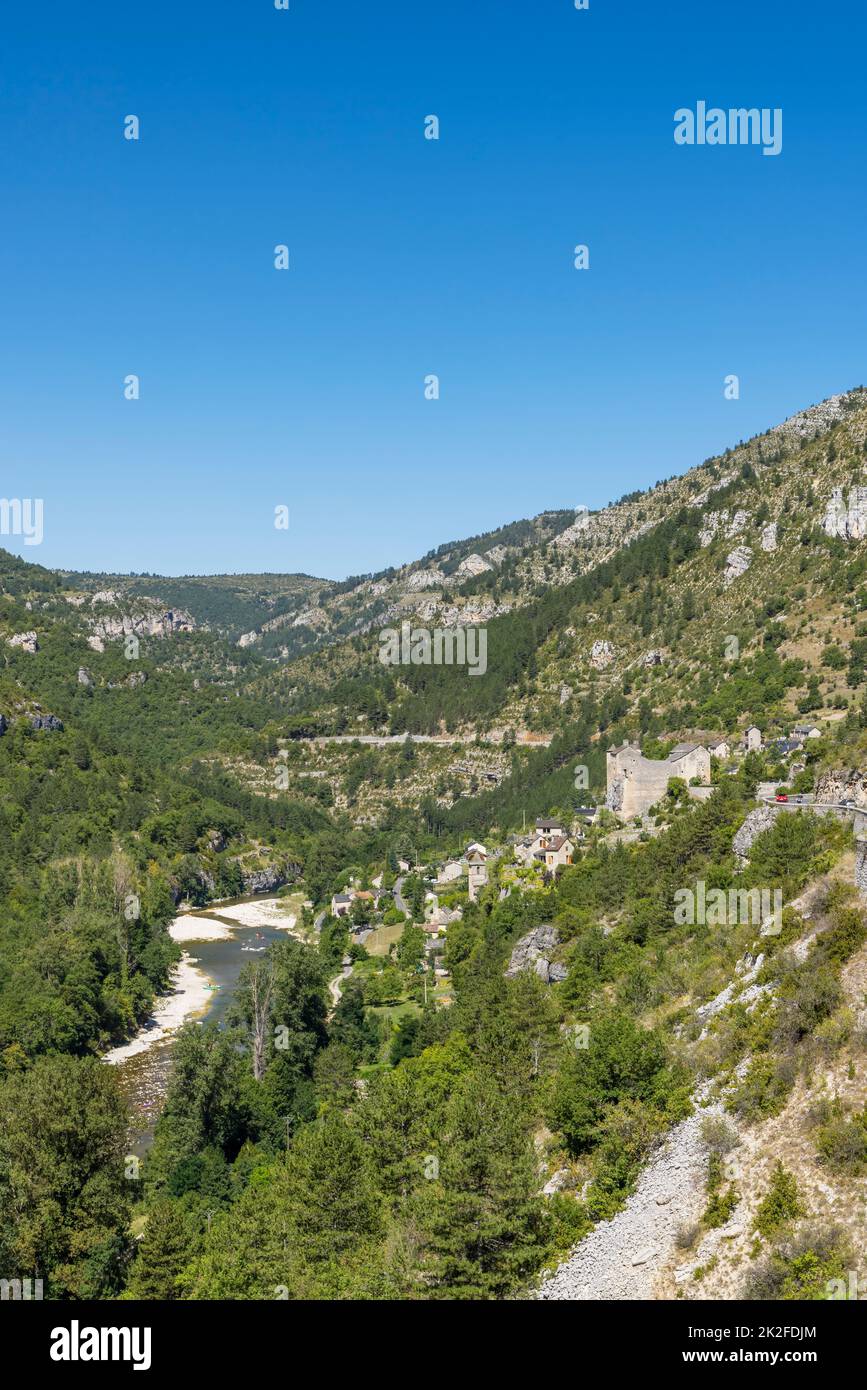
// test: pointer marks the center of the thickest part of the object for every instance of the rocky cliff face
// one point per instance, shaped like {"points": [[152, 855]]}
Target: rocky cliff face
{"points": [[847, 522], [756, 823], [27, 641], [49, 722], [534, 951], [263, 880], [819, 418], [738, 562], [113, 616], [842, 784], [723, 523], [769, 536], [602, 654]]}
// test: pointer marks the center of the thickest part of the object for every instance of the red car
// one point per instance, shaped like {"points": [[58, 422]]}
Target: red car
{"points": [[781, 796]]}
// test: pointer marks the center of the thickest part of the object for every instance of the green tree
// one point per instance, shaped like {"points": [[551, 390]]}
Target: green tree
{"points": [[63, 1192], [162, 1253], [481, 1225], [206, 1104]]}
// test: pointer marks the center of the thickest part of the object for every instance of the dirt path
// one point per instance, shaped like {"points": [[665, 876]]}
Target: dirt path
{"points": [[335, 986]]}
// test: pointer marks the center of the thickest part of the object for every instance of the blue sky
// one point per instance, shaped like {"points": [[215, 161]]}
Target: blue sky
{"points": [[304, 388]]}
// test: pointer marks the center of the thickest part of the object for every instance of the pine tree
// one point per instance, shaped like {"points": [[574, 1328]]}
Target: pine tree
{"points": [[332, 1199], [162, 1253], [481, 1223]]}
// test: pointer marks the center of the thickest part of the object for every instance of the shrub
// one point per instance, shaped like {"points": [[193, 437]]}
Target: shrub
{"points": [[721, 1206], [842, 1143], [802, 1268], [687, 1234], [781, 1204], [832, 1033], [807, 997], [845, 937], [764, 1089], [718, 1135]]}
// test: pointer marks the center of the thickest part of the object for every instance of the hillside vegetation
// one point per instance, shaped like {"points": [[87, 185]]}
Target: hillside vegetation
{"points": [[438, 1128]]}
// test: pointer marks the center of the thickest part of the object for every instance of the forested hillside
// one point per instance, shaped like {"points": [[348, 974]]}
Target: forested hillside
{"points": [[375, 1119]]}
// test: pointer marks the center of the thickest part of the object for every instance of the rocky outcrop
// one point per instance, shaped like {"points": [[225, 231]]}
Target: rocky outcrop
{"points": [[315, 618], [566, 693], [262, 880], [842, 784], [738, 562], [473, 614], [148, 619], [848, 523], [575, 532], [601, 655], [534, 951], [49, 722], [746, 971], [707, 493], [722, 523], [473, 565], [25, 640], [817, 419], [425, 579], [756, 823], [84, 676], [652, 658], [769, 536], [134, 679]]}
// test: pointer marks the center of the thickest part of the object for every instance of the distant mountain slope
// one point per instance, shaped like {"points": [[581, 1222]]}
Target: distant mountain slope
{"points": [[734, 591], [731, 592], [226, 603]]}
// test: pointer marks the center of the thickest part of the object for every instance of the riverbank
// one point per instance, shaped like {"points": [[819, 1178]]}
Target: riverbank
{"points": [[266, 912], [189, 995], [187, 928]]}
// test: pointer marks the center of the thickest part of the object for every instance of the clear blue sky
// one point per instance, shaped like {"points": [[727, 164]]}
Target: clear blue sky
{"points": [[409, 257]]}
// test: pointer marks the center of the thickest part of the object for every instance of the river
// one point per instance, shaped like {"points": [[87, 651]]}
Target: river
{"points": [[144, 1076]]}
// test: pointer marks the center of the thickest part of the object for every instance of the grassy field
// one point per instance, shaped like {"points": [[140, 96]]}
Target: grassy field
{"points": [[379, 941]]}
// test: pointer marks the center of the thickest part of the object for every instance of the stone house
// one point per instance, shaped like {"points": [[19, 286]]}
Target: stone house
{"points": [[341, 903], [558, 852], [549, 829], [549, 838], [753, 739], [720, 748]]}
